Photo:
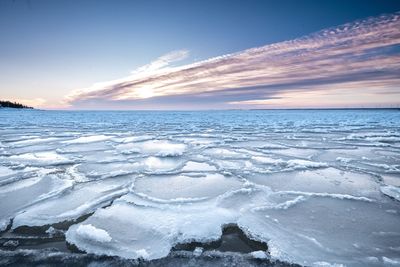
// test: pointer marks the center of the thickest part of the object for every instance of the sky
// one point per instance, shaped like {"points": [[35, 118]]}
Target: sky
{"points": [[122, 55]]}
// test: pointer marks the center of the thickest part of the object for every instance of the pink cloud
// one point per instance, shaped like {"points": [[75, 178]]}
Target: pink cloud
{"points": [[362, 51]]}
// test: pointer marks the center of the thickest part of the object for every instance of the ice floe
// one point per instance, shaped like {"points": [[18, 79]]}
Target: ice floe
{"points": [[317, 188], [88, 139], [161, 148], [391, 191]]}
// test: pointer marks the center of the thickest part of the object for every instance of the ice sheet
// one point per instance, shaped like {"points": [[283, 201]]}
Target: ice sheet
{"points": [[321, 188]]}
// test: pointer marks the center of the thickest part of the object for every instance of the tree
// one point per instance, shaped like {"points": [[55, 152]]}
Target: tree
{"points": [[9, 104]]}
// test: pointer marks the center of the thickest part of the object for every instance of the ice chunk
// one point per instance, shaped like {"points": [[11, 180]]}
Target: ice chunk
{"points": [[344, 160], [45, 158], [80, 149], [198, 141], [389, 261], [259, 254], [375, 136], [391, 191], [391, 179], [156, 230], [83, 199], [197, 251], [18, 196], [292, 236], [51, 231], [182, 186], [304, 164], [304, 153], [160, 165], [5, 171], [88, 139], [11, 243], [293, 164], [161, 148], [284, 205], [268, 160], [107, 170], [91, 233], [192, 166], [223, 153], [131, 139], [327, 180], [34, 141]]}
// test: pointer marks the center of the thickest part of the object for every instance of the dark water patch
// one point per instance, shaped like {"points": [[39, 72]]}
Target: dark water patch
{"points": [[51, 257], [232, 249], [233, 239], [39, 237], [64, 225]]}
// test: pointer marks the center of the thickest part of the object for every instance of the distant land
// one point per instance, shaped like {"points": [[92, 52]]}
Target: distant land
{"points": [[9, 104]]}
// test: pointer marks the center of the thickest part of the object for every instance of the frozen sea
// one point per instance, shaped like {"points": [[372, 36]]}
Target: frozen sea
{"points": [[204, 188]]}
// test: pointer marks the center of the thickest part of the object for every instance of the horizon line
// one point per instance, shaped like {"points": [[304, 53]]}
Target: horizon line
{"points": [[202, 110]]}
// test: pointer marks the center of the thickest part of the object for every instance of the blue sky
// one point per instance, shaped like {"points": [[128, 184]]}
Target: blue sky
{"points": [[54, 52]]}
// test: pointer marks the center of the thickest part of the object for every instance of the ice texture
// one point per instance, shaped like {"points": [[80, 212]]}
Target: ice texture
{"points": [[93, 234], [160, 148], [321, 188], [391, 191]]}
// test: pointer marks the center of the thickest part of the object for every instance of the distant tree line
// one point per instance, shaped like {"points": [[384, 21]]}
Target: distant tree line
{"points": [[9, 104]]}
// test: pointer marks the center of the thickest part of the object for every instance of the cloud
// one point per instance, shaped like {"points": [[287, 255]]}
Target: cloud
{"points": [[346, 94], [364, 53], [162, 62]]}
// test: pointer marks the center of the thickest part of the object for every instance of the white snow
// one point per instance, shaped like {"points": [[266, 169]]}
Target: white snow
{"points": [[40, 159], [163, 148], [304, 164], [198, 251], [259, 254], [91, 233], [267, 160]]}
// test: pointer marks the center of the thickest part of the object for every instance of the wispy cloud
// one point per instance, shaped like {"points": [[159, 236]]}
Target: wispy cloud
{"points": [[364, 54]]}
